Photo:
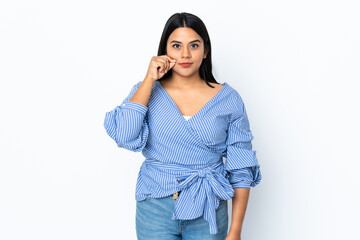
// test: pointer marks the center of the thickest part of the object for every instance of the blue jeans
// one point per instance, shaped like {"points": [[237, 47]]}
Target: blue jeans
{"points": [[153, 222]]}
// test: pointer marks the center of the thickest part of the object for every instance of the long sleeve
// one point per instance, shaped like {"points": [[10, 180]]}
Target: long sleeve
{"points": [[127, 124], [241, 161]]}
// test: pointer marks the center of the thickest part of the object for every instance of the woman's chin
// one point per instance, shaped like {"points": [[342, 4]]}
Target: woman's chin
{"points": [[184, 73]]}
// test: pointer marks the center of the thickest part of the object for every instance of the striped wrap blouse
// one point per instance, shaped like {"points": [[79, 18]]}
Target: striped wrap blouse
{"points": [[187, 155]]}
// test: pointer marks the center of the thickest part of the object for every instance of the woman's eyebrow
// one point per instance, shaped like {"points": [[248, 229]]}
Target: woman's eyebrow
{"points": [[197, 40]]}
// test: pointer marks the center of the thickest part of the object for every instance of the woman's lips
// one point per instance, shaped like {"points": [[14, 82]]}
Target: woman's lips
{"points": [[185, 64]]}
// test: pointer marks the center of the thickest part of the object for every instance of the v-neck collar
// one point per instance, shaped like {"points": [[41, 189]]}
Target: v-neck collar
{"points": [[198, 112]]}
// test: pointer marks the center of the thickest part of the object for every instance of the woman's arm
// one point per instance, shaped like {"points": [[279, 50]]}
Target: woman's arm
{"points": [[239, 204], [158, 67], [143, 93]]}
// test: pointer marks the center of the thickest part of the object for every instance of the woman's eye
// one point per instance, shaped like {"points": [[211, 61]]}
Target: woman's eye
{"points": [[178, 46]]}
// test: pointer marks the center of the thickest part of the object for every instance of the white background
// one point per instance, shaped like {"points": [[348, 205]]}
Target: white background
{"points": [[63, 64]]}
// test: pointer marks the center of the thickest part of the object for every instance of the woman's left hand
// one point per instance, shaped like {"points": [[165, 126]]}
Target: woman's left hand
{"points": [[232, 236]]}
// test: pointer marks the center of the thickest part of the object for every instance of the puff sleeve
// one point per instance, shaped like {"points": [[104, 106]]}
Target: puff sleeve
{"points": [[241, 162], [127, 124]]}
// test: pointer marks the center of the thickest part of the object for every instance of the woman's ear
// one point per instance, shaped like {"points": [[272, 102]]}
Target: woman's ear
{"points": [[206, 52]]}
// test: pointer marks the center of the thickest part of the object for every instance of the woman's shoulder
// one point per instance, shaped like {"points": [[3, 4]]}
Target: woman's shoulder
{"points": [[231, 93], [232, 100]]}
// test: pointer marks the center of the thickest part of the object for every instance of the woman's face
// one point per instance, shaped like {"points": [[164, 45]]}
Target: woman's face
{"points": [[185, 45]]}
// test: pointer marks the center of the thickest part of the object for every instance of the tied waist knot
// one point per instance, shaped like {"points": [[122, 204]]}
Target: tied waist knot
{"points": [[202, 173], [201, 190], [187, 180]]}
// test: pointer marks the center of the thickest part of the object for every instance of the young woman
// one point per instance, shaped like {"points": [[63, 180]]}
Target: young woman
{"points": [[185, 122]]}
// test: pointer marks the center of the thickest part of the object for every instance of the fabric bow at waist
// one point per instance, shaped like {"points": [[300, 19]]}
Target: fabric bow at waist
{"points": [[201, 190]]}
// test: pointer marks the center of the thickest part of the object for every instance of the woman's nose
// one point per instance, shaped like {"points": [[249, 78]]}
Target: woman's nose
{"points": [[185, 53]]}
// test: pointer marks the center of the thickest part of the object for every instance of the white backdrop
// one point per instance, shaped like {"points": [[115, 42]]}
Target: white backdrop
{"points": [[63, 64]]}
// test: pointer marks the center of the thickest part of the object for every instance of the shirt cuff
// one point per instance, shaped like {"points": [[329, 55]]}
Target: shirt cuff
{"points": [[241, 185], [135, 106]]}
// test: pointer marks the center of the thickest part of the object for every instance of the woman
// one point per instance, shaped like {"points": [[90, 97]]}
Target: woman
{"points": [[184, 122]]}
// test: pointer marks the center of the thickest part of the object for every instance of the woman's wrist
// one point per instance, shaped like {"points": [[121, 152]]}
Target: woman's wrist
{"points": [[149, 79], [236, 230]]}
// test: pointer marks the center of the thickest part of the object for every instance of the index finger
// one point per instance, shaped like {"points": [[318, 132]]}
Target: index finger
{"points": [[169, 58]]}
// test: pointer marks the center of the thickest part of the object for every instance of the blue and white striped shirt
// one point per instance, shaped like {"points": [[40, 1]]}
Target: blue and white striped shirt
{"points": [[187, 155]]}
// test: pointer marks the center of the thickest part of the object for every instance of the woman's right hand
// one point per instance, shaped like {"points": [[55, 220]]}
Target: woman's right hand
{"points": [[159, 66]]}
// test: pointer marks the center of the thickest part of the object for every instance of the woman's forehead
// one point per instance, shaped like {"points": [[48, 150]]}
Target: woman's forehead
{"points": [[185, 35]]}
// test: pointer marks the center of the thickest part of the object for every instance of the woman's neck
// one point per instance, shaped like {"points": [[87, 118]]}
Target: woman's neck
{"points": [[180, 82]]}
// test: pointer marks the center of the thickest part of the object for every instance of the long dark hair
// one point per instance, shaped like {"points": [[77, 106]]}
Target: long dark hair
{"points": [[189, 20]]}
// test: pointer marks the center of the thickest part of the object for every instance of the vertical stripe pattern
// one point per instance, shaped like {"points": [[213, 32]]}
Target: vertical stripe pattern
{"points": [[186, 153]]}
